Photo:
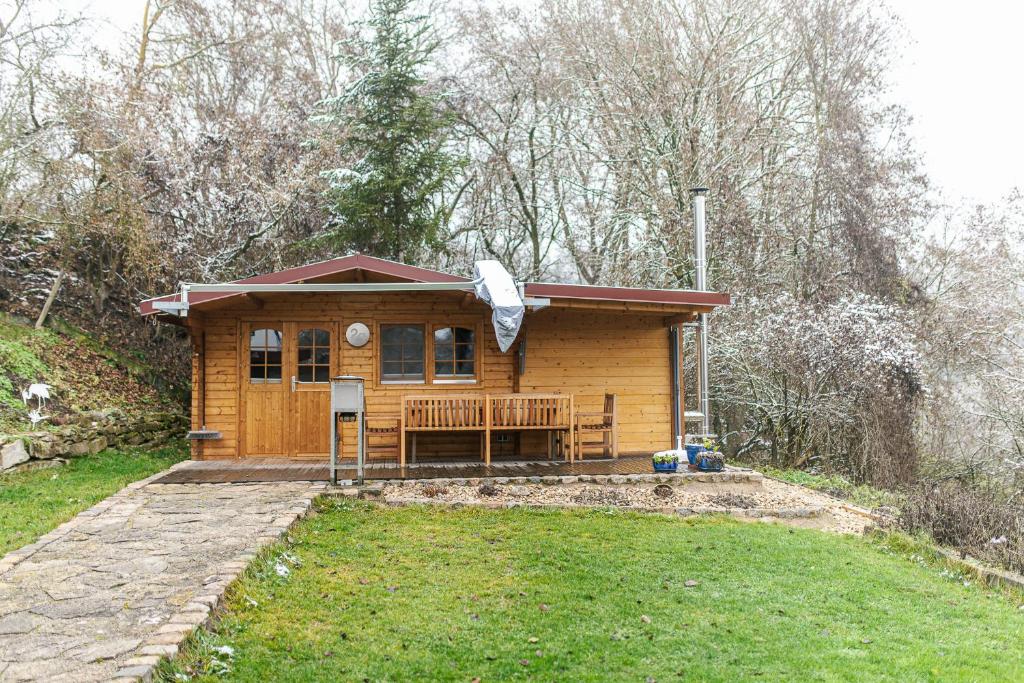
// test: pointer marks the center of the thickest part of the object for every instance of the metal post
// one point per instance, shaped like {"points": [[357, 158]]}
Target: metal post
{"points": [[700, 283], [348, 402], [360, 447], [673, 358], [334, 448], [705, 400]]}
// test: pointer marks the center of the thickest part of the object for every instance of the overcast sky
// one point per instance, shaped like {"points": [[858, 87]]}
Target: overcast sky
{"points": [[959, 77]]}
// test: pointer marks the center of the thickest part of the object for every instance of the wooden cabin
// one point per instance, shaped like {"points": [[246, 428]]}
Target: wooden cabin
{"points": [[434, 376]]}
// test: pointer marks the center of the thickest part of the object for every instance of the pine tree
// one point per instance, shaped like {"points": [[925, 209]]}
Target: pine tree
{"points": [[388, 202]]}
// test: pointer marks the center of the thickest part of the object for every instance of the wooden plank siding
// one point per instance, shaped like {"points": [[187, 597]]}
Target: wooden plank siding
{"points": [[585, 352], [593, 353]]}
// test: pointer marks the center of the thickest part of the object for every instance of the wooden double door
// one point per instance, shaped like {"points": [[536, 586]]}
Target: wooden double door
{"points": [[285, 392]]}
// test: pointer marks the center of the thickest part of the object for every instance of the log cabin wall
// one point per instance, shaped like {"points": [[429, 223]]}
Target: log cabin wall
{"points": [[590, 353], [582, 352]]}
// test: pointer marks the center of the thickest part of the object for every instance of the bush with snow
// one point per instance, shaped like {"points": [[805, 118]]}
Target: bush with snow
{"points": [[834, 385]]}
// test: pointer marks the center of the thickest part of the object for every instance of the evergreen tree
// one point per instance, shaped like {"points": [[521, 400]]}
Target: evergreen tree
{"points": [[388, 202]]}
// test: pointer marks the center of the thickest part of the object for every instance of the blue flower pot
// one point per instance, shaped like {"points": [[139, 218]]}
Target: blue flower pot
{"points": [[705, 464], [693, 450], [665, 466]]}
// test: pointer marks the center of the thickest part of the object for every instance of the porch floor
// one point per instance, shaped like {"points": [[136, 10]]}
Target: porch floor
{"points": [[270, 469]]}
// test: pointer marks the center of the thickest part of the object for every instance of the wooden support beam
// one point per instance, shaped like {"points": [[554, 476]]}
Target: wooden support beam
{"points": [[639, 308], [198, 386], [680, 319], [467, 300], [195, 321], [254, 300]]}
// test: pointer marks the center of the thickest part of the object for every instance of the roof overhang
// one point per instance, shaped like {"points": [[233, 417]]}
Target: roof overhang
{"points": [[401, 277], [638, 295]]}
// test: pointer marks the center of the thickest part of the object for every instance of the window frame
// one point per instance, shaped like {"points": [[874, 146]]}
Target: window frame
{"points": [[454, 378], [429, 376], [380, 353], [314, 347], [264, 381]]}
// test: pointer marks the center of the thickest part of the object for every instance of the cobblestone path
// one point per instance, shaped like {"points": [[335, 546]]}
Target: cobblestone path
{"points": [[108, 593]]}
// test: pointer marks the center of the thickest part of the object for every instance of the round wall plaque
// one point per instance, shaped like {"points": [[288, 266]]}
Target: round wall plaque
{"points": [[357, 334]]}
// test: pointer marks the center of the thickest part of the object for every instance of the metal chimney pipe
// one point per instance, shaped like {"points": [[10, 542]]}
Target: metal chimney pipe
{"points": [[699, 228], [700, 283]]}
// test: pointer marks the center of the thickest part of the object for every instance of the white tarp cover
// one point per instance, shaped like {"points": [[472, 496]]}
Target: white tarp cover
{"points": [[498, 288]]}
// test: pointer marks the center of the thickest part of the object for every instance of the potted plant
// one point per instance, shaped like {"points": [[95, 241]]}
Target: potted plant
{"points": [[667, 461], [693, 451], [710, 458]]}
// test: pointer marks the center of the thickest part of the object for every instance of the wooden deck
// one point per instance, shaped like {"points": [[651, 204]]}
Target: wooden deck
{"points": [[267, 470]]}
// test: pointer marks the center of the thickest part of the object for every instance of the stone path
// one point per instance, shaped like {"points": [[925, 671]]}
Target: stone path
{"points": [[107, 594]]}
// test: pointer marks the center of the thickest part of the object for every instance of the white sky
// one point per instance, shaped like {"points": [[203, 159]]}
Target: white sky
{"points": [[959, 76], [961, 80]]}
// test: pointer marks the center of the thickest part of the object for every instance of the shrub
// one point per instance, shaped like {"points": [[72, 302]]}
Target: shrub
{"points": [[974, 521], [433, 490], [834, 386]]}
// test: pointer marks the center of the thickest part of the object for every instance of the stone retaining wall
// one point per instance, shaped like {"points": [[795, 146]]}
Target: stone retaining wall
{"points": [[91, 433]]}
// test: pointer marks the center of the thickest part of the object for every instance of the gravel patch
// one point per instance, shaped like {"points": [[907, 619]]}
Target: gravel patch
{"points": [[769, 500]]}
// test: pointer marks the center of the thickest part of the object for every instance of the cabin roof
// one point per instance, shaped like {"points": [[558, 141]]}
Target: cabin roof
{"points": [[383, 269]]}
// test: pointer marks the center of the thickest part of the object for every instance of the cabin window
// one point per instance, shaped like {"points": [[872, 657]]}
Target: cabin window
{"points": [[402, 353], [454, 353], [265, 356], [314, 355]]}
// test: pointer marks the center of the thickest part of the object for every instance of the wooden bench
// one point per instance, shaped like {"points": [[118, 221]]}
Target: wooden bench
{"points": [[534, 412], [486, 413], [442, 413]]}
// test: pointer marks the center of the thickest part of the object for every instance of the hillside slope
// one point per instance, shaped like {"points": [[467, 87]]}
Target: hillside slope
{"points": [[83, 375]]}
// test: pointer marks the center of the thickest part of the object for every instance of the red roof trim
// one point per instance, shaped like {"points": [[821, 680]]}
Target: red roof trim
{"points": [[313, 271], [402, 271], [628, 294]]}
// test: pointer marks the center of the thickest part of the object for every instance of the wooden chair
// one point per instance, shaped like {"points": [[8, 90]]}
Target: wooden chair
{"points": [[383, 433], [604, 424]]}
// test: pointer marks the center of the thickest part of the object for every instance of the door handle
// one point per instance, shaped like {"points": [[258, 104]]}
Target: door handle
{"points": [[294, 383]]}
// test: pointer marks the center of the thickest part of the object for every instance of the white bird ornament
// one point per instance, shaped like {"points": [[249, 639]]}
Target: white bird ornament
{"points": [[40, 391]]}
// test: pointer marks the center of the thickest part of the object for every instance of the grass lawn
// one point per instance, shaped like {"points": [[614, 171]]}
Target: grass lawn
{"points": [[858, 494], [423, 594], [34, 502]]}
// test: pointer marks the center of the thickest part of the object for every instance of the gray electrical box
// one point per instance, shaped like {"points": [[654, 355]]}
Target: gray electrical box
{"points": [[347, 396], [347, 405]]}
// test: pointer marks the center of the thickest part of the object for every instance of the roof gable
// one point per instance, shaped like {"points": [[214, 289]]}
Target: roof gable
{"points": [[317, 271], [369, 264]]}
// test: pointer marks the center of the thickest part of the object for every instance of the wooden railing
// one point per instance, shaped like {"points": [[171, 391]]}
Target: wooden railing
{"points": [[484, 413]]}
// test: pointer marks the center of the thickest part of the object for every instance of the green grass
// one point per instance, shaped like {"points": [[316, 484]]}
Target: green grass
{"points": [[19, 359], [858, 494], [425, 594], [34, 502]]}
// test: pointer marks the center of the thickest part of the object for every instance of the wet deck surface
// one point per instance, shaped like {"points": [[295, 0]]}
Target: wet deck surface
{"points": [[245, 471]]}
